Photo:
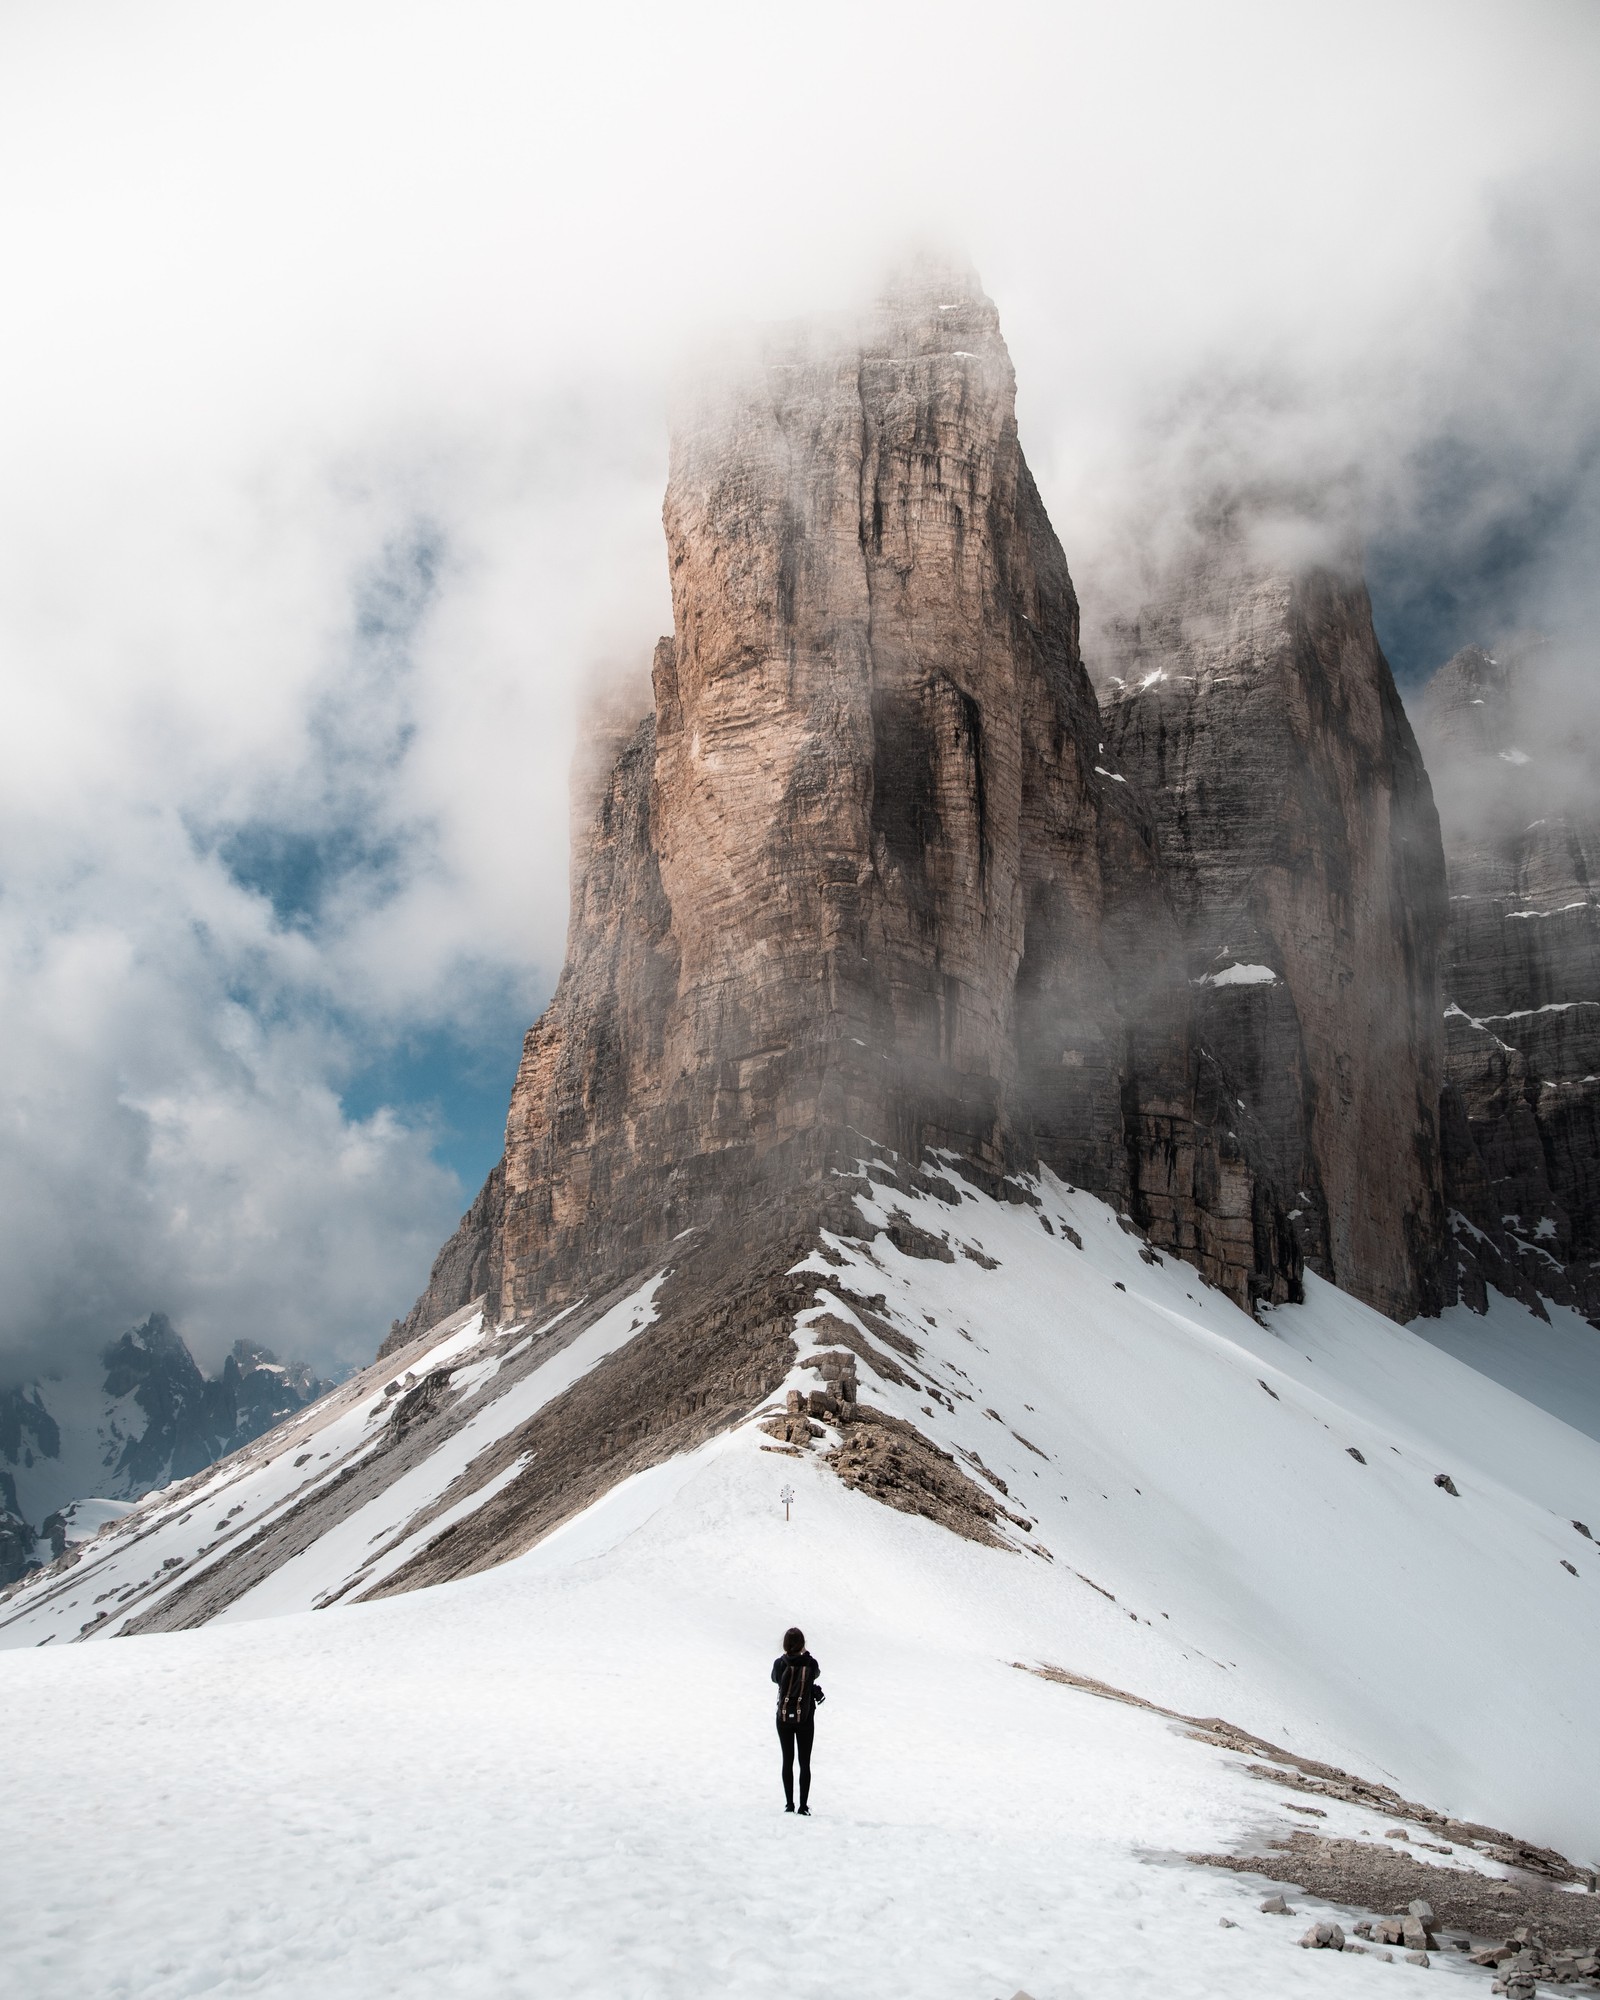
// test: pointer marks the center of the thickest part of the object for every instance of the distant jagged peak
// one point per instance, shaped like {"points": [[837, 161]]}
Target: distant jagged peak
{"points": [[154, 1346]]}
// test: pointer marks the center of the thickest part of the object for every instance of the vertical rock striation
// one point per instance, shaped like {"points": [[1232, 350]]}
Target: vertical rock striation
{"points": [[1522, 977], [862, 878], [1253, 707]]}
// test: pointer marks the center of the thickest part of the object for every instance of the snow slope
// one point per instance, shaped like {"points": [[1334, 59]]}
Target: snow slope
{"points": [[558, 1777], [1554, 1363], [180, 1532]]}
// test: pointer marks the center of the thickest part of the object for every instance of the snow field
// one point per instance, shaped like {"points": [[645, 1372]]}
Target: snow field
{"points": [[561, 1778], [1198, 1464], [1555, 1364]]}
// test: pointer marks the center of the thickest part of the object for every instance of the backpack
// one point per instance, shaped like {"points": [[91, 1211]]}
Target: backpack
{"points": [[792, 1690]]}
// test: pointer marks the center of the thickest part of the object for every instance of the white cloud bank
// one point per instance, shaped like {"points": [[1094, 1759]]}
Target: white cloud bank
{"points": [[333, 386]]}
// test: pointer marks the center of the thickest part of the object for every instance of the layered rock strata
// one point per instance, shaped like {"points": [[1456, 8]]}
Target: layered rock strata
{"points": [[861, 879], [1522, 977], [1252, 706]]}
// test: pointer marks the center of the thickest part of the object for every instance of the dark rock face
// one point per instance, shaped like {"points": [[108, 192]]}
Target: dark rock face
{"points": [[858, 880], [185, 1417], [1252, 707], [191, 1420], [27, 1429], [1522, 977], [16, 1537]]}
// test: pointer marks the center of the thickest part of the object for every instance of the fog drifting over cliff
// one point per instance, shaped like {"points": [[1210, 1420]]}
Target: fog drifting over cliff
{"points": [[335, 388]]}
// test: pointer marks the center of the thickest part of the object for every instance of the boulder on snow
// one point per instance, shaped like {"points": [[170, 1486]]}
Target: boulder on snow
{"points": [[1323, 1936], [1275, 1906]]}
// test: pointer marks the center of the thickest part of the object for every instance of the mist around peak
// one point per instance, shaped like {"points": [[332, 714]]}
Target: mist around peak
{"points": [[336, 403]]}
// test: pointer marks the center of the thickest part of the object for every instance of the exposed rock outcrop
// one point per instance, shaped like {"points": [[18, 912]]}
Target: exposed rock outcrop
{"points": [[858, 880], [1513, 765], [1251, 704]]}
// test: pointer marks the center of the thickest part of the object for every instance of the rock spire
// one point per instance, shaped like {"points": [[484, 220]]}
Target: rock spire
{"points": [[1251, 703], [863, 877]]}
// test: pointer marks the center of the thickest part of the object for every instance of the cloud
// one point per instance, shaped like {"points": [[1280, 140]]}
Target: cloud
{"points": [[335, 406]]}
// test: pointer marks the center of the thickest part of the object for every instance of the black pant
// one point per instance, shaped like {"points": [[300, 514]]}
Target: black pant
{"points": [[790, 1733]]}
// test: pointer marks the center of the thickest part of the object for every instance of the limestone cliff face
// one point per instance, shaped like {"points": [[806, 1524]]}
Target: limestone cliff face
{"points": [[1522, 977], [861, 879], [1253, 707]]}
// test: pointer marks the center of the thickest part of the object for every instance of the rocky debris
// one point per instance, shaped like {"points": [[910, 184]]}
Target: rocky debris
{"points": [[837, 1368], [1307, 1775], [1251, 705], [418, 1403], [1525, 1959], [831, 1327], [1366, 1874], [1447, 1484], [1521, 1107], [1324, 1936], [891, 1461], [793, 1427], [911, 1241]]}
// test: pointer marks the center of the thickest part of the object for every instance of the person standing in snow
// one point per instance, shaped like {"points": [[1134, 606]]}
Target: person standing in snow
{"points": [[797, 1677]]}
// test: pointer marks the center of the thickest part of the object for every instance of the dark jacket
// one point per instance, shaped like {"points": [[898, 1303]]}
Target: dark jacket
{"points": [[797, 1677]]}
